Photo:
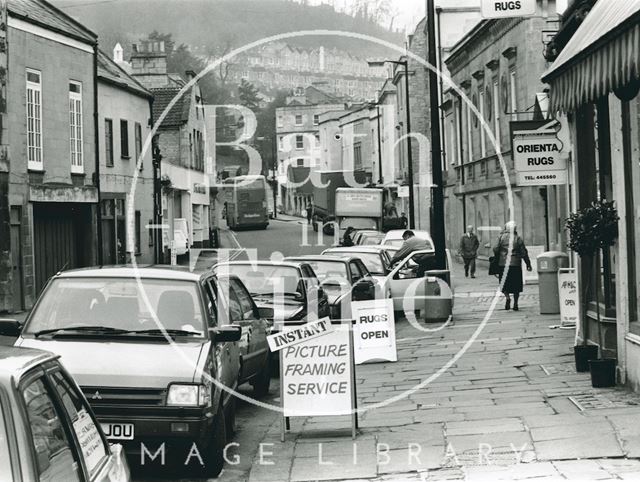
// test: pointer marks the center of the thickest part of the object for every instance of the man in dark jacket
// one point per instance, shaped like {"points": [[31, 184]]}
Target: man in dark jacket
{"points": [[469, 245]]}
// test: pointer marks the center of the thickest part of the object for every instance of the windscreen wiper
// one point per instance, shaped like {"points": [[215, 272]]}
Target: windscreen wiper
{"points": [[79, 330], [170, 332]]}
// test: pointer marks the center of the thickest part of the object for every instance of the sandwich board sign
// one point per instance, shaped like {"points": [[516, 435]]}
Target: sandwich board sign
{"points": [[508, 8], [374, 331], [317, 375], [568, 294]]}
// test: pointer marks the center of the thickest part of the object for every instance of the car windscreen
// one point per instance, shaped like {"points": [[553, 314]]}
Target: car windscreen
{"points": [[119, 304], [264, 279], [372, 261], [5, 462], [329, 271]]}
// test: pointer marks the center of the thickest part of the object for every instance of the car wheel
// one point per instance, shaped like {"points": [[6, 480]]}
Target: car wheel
{"points": [[214, 455], [263, 380], [231, 416]]}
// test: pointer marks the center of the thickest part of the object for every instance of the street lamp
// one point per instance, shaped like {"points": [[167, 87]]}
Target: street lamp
{"points": [[405, 64]]}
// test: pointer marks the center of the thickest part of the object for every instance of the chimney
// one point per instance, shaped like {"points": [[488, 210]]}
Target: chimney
{"points": [[149, 58], [118, 54]]}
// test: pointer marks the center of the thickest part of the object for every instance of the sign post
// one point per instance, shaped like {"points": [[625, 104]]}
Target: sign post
{"points": [[317, 371], [568, 294], [508, 8], [374, 331]]}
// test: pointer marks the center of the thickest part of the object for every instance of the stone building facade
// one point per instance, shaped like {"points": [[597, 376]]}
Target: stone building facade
{"points": [[124, 126], [52, 179], [498, 66]]}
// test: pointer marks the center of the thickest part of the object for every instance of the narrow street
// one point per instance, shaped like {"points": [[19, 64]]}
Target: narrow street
{"points": [[510, 408]]}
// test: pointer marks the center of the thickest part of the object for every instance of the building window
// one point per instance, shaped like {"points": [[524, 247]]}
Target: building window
{"points": [[34, 120], [514, 94], [470, 173], [191, 163], [483, 140], [496, 115], [138, 142], [280, 121], [316, 119], [280, 143], [299, 119], [483, 168], [300, 162], [108, 142], [75, 127], [124, 139], [138, 227], [357, 155], [469, 133], [299, 142]]}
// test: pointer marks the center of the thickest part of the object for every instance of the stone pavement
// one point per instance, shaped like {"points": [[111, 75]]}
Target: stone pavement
{"points": [[511, 408]]}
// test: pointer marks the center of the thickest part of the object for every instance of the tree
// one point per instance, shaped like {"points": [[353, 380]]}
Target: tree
{"points": [[248, 95]]}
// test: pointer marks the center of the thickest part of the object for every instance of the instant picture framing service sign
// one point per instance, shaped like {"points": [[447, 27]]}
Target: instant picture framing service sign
{"points": [[317, 375]]}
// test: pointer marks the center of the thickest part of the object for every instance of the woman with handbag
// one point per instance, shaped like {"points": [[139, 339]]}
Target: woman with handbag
{"points": [[513, 283]]}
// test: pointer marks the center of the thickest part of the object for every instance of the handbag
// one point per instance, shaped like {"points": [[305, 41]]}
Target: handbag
{"points": [[494, 266]]}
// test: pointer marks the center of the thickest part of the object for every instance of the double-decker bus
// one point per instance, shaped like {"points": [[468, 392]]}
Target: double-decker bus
{"points": [[246, 200]]}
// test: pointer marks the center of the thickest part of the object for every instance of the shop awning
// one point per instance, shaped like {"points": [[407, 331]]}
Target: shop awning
{"points": [[603, 55]]}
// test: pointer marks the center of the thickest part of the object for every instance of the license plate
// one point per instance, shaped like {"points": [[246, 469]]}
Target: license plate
{"points": [[118, 431]]}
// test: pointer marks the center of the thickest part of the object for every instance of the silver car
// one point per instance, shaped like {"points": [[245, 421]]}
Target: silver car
{"points": [[48, 431]]}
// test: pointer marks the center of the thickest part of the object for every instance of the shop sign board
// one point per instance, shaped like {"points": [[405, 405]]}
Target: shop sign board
{"points": [[538, 158], [306, 332], [568, 295], [374, 331], [508, 8]]}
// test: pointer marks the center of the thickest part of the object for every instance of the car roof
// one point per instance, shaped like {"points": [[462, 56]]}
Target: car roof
{"points": [[263, 262], [15, 361], [357, 249], [397, 233], [321, 258], [168, 272]]}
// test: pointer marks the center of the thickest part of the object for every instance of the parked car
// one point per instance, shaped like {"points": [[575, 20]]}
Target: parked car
{"points": [[358, 236], [282, 291], [371, 239], [255, 356], [404, 284], [343, 280], [181, 236], [47, 429], [146, 346], [375, 258], [394, 237]]}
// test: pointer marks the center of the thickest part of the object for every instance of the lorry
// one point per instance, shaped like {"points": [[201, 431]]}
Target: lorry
{"points": [[359, 208], [324, 195]]}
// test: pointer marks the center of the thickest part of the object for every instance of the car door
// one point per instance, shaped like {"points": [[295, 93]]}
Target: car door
{"points": [[257, 347], [226, 356], [50, 440], [316, 297], [405, 285], [103, 463]]}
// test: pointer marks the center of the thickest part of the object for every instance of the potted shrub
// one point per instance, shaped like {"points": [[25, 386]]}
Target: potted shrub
{"points": [[591, 229]]}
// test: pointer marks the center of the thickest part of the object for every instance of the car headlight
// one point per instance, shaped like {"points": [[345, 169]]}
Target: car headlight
{"points": [[182, 395]]}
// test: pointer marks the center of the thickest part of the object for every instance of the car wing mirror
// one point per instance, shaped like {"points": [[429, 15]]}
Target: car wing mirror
{"points": [[10, 327], [227, 333], [298, 296]]}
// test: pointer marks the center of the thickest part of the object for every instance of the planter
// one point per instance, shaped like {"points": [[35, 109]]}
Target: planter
{"points": [[603, 372], [583, 354]]}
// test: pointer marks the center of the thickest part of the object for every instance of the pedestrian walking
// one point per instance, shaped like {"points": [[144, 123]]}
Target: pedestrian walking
{"points": [[513, 283], [346, 240], [309, 213], [468, 250]]}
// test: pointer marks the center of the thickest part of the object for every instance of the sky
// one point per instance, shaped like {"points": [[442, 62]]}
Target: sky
{"points": [[410, 12]]}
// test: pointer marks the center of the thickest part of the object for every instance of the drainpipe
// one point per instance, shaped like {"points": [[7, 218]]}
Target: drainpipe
{"points": [[96, 126]]}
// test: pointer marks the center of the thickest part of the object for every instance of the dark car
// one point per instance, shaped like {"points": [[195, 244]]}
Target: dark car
{"points": [[343, 279], [47, 429], [282, 291], [151, 348]]}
